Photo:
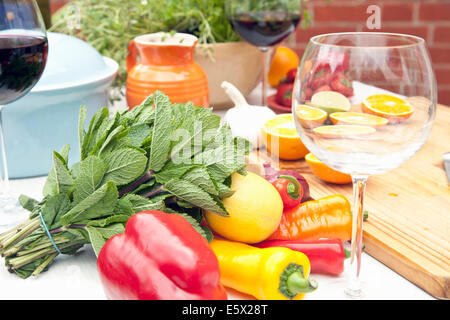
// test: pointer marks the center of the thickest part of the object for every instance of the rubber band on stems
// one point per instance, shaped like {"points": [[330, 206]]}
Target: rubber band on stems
{"points": [[48, 233]]}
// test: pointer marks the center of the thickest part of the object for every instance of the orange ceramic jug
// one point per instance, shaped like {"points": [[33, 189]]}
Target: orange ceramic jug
{"points": [[165, 64]]}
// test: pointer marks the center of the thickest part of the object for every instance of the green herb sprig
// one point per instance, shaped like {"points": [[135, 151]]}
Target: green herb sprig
{"points": [[157, 156]]}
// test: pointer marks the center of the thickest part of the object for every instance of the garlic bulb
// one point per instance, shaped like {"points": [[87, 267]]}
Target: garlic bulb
{"points": [[245, 120]]}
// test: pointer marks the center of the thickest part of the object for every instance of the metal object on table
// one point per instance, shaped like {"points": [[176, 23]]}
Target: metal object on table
{"points": [[446, 157]]}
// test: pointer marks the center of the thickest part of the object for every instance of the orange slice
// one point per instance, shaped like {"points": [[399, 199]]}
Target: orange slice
{"points": [[326, 173], [281, 138], [357, 118], [343, 131], [310, 117], [393, 108]]}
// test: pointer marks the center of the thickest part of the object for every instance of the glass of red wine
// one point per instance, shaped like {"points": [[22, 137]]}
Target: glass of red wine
{"points": [[23, 55], [264, 23]]}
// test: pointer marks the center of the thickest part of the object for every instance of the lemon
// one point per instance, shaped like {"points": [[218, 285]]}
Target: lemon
{"points": [[255, 210], [330, 101]]}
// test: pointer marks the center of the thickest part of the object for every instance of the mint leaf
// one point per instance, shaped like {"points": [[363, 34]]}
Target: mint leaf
{"points": [[81, 123], [96, 239], [191, 193], [200, 177], [124, 165], [89, 137], [139, 203], [162, 131], [59, 179], [89, 177], [99, 204], [99, 236]]}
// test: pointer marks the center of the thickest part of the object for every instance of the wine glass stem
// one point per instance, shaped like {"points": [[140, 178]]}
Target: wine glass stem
{"points": [[263, 75], [354, 286], [4, 180]]}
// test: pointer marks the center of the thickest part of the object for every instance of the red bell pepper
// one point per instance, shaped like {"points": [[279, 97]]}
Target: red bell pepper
{"points": [[325, 255], [159, 257], [290, 190]]}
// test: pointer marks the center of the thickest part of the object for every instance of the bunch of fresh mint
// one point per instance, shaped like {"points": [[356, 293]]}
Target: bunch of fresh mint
{"points": [[157, 156]]}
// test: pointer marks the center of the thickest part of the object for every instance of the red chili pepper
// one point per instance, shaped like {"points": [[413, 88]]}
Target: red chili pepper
{"points": [[159, 257], [325, 255], [290, 190]]}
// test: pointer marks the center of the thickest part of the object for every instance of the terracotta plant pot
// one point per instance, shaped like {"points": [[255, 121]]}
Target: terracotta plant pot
{"points": [[236, 62]]}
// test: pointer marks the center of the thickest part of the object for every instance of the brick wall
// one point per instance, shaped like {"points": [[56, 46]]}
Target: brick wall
{"points": [[429, 19]]}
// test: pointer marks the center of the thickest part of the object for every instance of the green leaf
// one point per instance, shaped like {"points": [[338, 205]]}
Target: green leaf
{"points": [[81, 123], [204, 231], [162, 131], [28, 203], [171, 171], [89, 139], [99, 204], [89, 177], [138, 134], [96, 239], [139, 204], [119, 218], [53, 208], [59, 179], [64, 152], [98, 236], [201, 178], [191, 193], [124, 165]]}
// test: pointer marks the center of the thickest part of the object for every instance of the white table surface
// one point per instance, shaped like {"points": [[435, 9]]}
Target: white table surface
{"points": [[76, 276]]}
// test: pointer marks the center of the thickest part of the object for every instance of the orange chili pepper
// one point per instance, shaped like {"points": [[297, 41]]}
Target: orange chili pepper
{"points": [[328, 217]]}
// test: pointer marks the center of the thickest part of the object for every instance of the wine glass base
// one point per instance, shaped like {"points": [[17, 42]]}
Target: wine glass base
{"points": [[11, 212]]}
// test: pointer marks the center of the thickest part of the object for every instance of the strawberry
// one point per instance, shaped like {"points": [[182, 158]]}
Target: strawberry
{"points": [[323, 88], [290, 76], [284, 94], [322, 76], [342, 84], [308, 93]]}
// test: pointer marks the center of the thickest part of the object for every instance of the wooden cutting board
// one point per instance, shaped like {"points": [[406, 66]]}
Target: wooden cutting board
{"points": [[409, 211]]}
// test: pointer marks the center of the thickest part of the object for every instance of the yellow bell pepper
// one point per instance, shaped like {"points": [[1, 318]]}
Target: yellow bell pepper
{"points": [[267, 274]]}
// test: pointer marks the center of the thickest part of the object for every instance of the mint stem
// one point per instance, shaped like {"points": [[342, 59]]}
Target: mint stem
{"points": [[154, 192], [147, 176]]}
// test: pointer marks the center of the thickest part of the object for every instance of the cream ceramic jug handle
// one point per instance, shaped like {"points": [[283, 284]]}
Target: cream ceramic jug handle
{"points": [[234, 94]]}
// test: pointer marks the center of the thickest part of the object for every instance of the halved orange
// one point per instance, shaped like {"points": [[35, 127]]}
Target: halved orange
{"points": [[326, 173], [310, 117], [393, 108], [343, 131], [281, 138], [357, 118]]}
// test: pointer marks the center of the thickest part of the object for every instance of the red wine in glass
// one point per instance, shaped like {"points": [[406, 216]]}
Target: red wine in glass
{"points": [[22, 61], [263, 24], [264, 29]]}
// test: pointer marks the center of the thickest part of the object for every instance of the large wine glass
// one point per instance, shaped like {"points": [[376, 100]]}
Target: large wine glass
{"points": [[264, 24], [23, 55], [379, 91]]}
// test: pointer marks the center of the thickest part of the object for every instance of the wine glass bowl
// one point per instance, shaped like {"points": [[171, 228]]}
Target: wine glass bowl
{"points": [[264, 24], [379, 91]]}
